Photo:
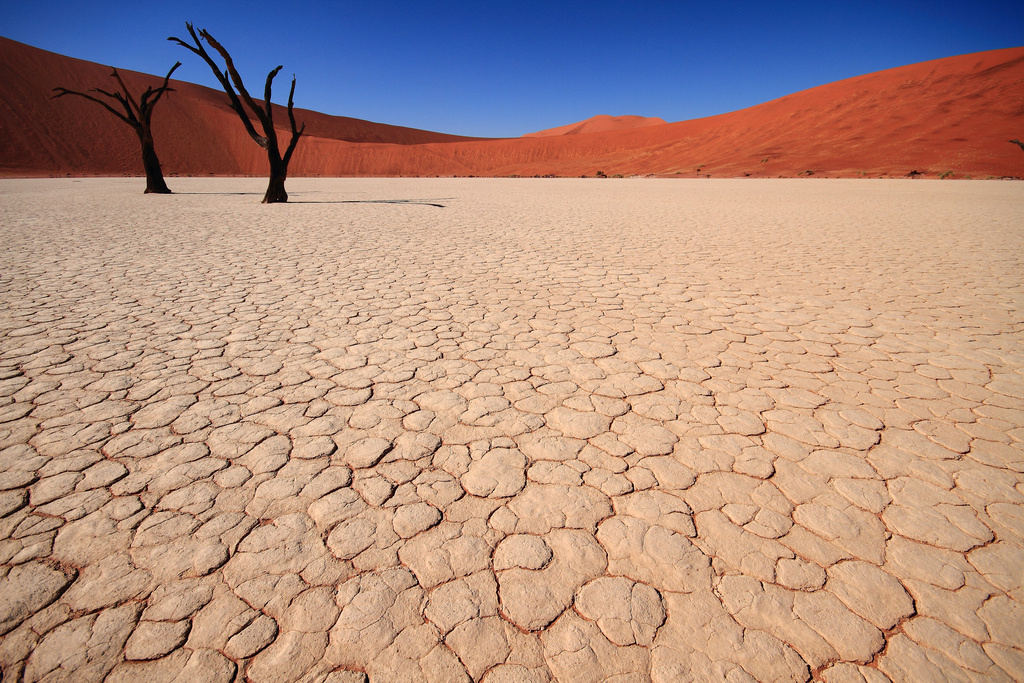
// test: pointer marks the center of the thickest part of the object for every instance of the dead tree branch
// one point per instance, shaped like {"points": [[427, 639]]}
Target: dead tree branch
{"points": [[246, 108], [138, 114]]}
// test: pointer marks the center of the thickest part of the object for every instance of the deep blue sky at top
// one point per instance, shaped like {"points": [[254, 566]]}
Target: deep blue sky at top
{"points": [[501, 69]]}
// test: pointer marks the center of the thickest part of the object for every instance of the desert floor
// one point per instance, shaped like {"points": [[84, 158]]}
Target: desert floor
{"points": [[573, 430]]}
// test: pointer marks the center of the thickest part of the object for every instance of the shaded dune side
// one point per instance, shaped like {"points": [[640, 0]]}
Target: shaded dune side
{"points": [[196, 131], [954, 114]]}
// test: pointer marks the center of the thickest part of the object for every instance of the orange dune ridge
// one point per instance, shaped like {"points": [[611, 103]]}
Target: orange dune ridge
{"points": [[947, 115], [598, 124]]}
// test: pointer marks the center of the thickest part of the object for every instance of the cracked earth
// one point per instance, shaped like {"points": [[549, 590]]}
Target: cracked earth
{"points": [[552, 430]]}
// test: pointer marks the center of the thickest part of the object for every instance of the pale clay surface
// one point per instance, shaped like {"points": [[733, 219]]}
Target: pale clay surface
{"points": [[572, 430]]}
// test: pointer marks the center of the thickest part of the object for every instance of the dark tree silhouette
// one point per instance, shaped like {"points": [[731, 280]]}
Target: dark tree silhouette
{"points": [[268, 141], [1018, 143], [137, 114]]}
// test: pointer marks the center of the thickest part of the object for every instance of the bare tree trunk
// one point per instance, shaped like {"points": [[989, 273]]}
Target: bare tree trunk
{"points": [[275, 189], [155, 183], [137, 114], [240, 100]]}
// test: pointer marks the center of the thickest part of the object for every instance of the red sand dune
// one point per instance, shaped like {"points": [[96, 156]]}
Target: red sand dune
{"points": [[194, 128], [953, 114], [601, 123]]}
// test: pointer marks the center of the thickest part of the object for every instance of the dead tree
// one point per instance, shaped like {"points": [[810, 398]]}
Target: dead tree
{"points": [[232, 82], [1018, 143], [138, 114]]}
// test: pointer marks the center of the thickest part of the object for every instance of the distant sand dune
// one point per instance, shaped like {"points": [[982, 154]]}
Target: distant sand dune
{"points": [[947, 115], [599, 124]]}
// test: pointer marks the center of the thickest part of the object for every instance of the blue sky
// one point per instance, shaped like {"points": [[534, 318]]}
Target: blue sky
{"points": [[501, 69]]}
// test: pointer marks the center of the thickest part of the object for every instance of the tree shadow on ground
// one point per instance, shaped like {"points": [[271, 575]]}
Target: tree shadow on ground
{"points": [[421, 202]]}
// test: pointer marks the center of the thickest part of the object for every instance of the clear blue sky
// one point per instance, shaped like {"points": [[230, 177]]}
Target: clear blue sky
{"points": [[501, 69]]}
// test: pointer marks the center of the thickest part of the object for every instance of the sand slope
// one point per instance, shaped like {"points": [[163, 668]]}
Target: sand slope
{"points": [[953, 114], [601, 123], [196, 132]]}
